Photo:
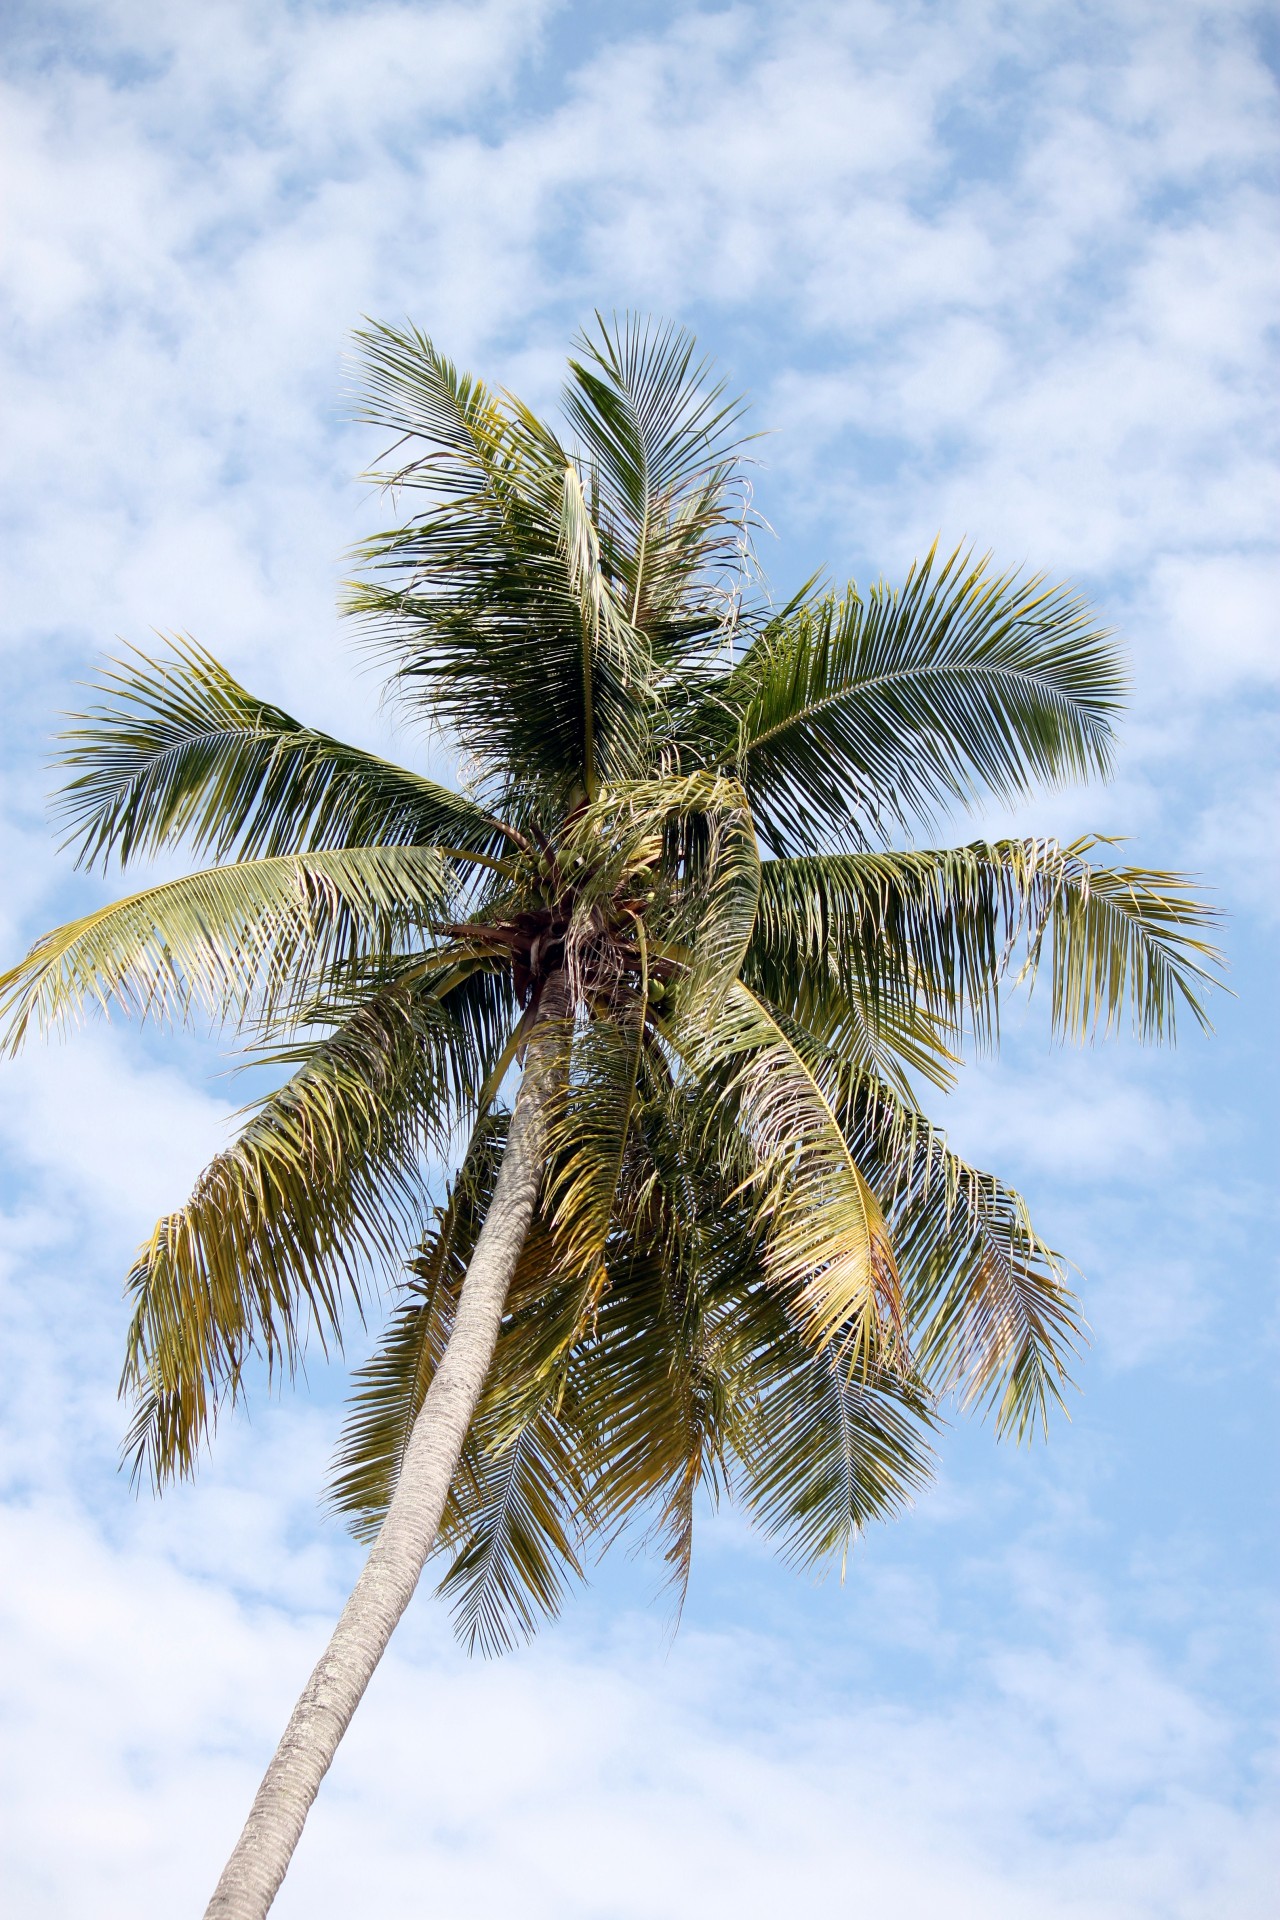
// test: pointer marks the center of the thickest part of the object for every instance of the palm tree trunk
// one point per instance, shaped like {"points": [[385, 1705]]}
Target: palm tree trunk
{"points": [[253, 1874]]}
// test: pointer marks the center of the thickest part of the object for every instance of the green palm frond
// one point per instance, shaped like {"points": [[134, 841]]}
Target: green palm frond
{"points": [[536, 602], [997, 1325], [512, 1520], [229, 940], [656, 1393], [818, 956], [662, 446], [984, 1301], [325, 1184], [521, 1501], [699, 1378], [590, 1119], [852, 716], [992, 1317], [943, 930], [502, 616], [827, 1453], [179, 751], [516, 1536], [1120, 937]]}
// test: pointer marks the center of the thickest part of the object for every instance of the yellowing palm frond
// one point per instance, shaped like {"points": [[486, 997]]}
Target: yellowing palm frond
{"points": [[825, 1243], [325, 1185], [944, 931], [230, 940]]}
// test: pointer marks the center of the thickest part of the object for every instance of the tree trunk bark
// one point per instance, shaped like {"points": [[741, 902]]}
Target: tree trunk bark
{"points": [[253, 1874]]}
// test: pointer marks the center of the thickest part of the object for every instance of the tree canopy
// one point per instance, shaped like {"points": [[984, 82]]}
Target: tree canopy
{"points": [[757, 1269]]}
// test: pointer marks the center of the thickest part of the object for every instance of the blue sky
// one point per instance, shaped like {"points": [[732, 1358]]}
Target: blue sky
{"points": [[1001, 271]]}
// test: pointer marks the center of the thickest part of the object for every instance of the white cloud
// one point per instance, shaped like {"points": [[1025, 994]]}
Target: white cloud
{"points": [[1220, 614], [110, 1136], [597, 1776], [602, 1778], [1236, 839], [1078, 1116]]}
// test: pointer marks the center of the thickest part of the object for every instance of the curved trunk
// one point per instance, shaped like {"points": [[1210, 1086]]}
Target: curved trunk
{"points": [[253, 1874]]}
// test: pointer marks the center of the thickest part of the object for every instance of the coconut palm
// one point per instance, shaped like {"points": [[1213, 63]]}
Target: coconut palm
{"points": [[658, 983]]}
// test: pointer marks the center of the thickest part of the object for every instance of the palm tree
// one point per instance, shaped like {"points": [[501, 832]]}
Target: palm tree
{"points": [[712, 1243]]}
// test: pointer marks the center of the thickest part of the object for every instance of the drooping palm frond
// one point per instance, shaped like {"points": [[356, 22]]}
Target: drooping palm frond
{"points": [[944, 930], [516, 1545], [817, 956], [854, 716], [517, 1500], [993, 1320], [700, 1378], [828, 1452], [229, 940], [324, 1184], [984, 1301], [659, 1381], [521, 1502], [589, 1122], [825, 1245]]}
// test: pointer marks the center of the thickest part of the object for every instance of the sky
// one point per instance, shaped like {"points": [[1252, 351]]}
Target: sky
{"points": [[1003, 273]]}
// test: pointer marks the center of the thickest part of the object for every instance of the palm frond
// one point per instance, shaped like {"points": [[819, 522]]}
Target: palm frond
{"points": [[656, 1384], [992, 1317], [325, 1184], [943, 930], [662, 446], [825, 1243], [178, 751], [498, 584], [515, 1539], [828, 1452], [229, 940], [615, 659], [988, 1313], [511, 1520], [699, 1377], [852, 716], [388, 1390], [590, 1121]]}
